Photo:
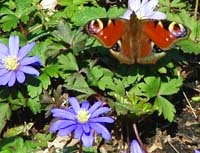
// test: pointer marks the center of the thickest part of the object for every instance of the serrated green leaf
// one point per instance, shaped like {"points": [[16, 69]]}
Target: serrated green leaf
{"points": [[34, 105], [77, 82], [68, 62], [129, 80], [115, 12], [5, 114], [4, 11], [170, 87], [82, 16], [165, 107], [8, 22], [150, 87], [34, 87], [63, 32], [45, 80], [52, 70], [189, 46]]}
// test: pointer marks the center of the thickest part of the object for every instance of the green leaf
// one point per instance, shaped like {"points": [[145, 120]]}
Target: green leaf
{"points": [[85, 14], [96, 73], [150, 87], [165, 107], [34, 105], [68, 62], [34, 87], [170, 87], [5, 114], [42, 139], [4, 11], [8, 22], [190, 46], [115, 12], [64, 32], [77, 82], [21, 129], [52, 70], [114, 84], [45, 80], [131, 104]]}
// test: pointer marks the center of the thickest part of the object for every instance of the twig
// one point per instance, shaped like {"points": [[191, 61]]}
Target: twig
{"points": [[196, 9], [190, 105], [172, 146]]}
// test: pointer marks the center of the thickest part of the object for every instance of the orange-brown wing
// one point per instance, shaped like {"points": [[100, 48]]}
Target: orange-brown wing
{"points": [[165, 33], [107, 31]]}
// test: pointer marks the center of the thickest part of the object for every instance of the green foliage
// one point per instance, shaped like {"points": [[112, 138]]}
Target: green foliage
{"points": [[75, 65], [5, 114]]}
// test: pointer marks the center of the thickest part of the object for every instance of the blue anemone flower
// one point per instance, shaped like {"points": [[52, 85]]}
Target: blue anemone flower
{"points": [[144, 9], [83, 120], [14, 63]]}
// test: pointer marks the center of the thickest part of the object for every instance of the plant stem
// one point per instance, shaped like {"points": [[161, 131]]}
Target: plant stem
{"points": [[196, 9], [138, 137], [81, 147]]}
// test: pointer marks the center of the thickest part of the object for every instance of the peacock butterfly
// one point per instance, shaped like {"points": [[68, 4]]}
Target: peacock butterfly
{"points": [[136, 41]]}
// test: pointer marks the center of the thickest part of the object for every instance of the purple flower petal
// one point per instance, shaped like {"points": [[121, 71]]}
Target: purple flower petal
{"points": [[157, 16], [100, 111], [5, 78], [78, 132], [143, 9], [3, 71], [66, 131], [102, 119], [29, 70], [14, 45], [30, 60], [101, 130], [86, 128], [75, 104], [20, 76], [60, 113], [196, 151], [85, 105], [95, 107], [25, 50], [151, 4], [60, 124], [87, 139], [135, 147], [3, 51], [127, 14], [12, 80]]}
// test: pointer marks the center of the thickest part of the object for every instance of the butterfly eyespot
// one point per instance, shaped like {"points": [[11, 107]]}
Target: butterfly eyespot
{"points": [[117, 46], [94, 26], [178, 30], [157, 49]]}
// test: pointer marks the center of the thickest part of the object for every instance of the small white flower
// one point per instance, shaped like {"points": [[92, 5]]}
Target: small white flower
{"points": [[144, 9], [48, 4]]}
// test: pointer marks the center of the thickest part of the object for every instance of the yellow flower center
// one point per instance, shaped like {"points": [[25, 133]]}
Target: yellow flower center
{"points": [[83, 116], [11, 63]]}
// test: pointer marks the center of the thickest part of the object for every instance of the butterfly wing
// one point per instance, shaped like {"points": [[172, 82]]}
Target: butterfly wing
{"points": [[165, 33], [107, 31]]}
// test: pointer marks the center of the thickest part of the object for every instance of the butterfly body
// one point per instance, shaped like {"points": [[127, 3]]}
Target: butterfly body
{"points": [[135, 41]]}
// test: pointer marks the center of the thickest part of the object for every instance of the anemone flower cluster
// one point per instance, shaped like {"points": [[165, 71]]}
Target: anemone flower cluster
{"points": [[144, 9], [14, 63], [83, 120]]}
